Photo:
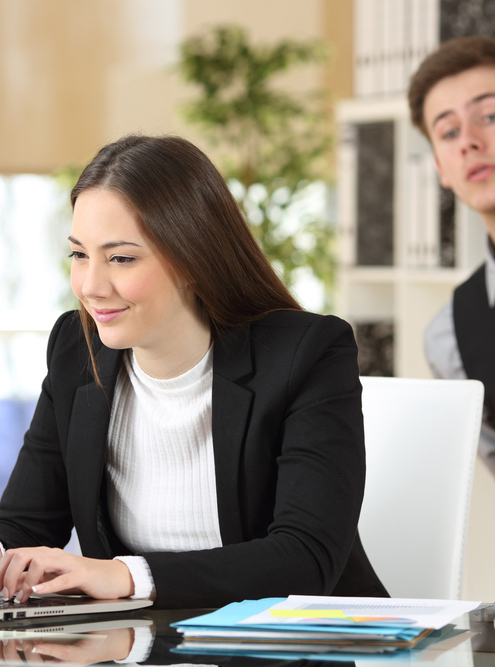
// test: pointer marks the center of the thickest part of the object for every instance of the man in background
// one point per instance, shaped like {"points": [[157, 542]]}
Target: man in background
{"points": [[452, 102]]}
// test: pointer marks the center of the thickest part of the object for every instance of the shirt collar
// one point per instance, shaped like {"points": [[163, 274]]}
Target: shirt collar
{"points": [[490, 271]]}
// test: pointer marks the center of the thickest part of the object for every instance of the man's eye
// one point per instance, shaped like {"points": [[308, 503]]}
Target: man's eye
{"points": [[450, 134], [489, 117], [119, 259], [77, 255]]}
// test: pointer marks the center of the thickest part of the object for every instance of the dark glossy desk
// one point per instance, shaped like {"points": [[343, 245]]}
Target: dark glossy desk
{"points": [[99, 642]]}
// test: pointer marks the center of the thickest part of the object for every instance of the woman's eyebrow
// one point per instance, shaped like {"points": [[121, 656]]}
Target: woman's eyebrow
{"points": [[106, 246]]}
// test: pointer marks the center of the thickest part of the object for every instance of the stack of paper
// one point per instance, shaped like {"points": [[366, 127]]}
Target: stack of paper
{"points": [[309, 625]]}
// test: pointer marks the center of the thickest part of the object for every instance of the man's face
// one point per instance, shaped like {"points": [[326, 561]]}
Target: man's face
{"points": [[459, 113]]}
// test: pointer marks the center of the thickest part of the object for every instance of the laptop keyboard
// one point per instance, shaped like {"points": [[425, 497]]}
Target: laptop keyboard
{"points": [[34, 602]]}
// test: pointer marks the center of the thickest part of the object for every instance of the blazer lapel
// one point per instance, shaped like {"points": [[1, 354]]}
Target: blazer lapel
{"points": [[231, 405], [86, 444]]}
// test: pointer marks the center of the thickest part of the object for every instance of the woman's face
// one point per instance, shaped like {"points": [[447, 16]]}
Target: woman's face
{"points": [[135, 298]]}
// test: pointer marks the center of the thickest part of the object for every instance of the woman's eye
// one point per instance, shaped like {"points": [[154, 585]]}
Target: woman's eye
{"points": [[489, 117], [77, 255], [119, 259]]}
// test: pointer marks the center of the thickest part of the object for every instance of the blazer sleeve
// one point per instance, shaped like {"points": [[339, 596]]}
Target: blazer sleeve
{"points": [[35, 509], [320, 466]]}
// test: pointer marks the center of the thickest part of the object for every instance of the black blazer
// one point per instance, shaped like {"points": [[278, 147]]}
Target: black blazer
{"points": [[289, 461]]}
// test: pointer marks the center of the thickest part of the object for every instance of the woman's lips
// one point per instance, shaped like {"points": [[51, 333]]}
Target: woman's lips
{"points": [[104, 315]]}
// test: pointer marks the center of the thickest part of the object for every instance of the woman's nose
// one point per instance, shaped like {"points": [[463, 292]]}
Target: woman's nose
{"points": [[96, 284]]}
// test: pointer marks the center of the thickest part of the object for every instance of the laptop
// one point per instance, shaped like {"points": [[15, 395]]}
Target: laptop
{"points": [[45, 606]]}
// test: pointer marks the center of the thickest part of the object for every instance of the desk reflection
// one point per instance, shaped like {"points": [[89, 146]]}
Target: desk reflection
{"points": [[146, 637], [85, 649], [80, 643]]}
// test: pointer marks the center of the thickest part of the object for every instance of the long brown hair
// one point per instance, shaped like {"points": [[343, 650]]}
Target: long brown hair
{"points": [[188, 212]]}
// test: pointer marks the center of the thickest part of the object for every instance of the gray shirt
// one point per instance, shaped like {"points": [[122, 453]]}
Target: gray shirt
{"points": [[444, 358]]}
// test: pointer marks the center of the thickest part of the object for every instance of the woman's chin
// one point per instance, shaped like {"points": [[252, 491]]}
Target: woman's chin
{"points": [[114, 342]]}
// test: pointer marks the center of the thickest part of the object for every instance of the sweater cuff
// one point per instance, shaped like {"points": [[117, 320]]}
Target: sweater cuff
{"points": [[144, 586], [141, 648]]}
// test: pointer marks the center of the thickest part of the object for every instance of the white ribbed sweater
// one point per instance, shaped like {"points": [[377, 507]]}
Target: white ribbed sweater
{"points": [[160, 466]]}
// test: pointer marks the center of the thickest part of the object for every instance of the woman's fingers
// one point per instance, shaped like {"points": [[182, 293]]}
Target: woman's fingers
{"points": [[45, 570], [103, 579], [12, 566], [30, 578], [62, 583], [20, 569]]}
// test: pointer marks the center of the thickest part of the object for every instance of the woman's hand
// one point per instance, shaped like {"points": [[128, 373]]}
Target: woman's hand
{"points": [[45, 570]]}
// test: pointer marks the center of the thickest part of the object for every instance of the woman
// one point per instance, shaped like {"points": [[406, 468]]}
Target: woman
{"points": [[202, 433]]}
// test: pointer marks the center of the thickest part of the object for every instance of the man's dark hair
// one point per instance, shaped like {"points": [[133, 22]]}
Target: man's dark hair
{"points": [[453, 57]]}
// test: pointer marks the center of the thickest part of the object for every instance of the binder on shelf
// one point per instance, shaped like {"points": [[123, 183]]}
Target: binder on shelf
{"points": [[432, 20], [447, 207], [395, 45], [413, 207], [375, 342], [423, 207], [347, 190], [380, 27], [363, 41], [400, 52], [391, 38], [432, 212]]}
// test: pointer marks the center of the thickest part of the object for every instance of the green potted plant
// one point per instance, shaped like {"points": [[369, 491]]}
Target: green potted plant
{"points": [[272, 145]]}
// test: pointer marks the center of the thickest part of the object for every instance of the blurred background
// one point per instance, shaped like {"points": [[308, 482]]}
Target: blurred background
{"points": [[301, 105]]}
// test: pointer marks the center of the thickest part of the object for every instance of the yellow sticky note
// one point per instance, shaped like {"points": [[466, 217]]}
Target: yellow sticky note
{"points": [[308, 613]]}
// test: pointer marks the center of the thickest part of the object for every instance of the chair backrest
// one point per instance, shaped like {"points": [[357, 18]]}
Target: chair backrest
{"points": [[421, 441]]}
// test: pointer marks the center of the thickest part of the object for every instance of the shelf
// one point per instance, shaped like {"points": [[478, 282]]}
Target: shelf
{"points": [[396, 275], [369, 109], [391, 196]]}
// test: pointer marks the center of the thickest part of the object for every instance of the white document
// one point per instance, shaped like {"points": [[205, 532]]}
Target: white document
{"points": [[335, 611]]}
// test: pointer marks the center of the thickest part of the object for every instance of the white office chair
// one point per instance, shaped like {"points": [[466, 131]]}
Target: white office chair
{"points": [[421, 440]]}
